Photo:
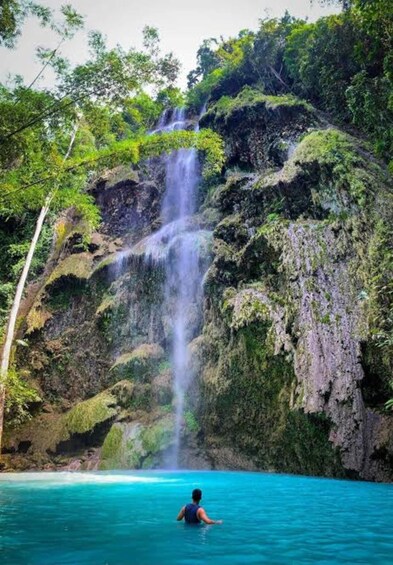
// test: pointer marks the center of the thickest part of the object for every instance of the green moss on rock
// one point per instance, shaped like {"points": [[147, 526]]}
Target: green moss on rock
{"points": [[246, 403], [78, 266], [111, 447], [345, 168], [122, 448], [86, 415], [249, 306], [106, 305], [47, 431], [232, 229], [37, 317], [107, 262], [135, 446], [250, 97], [259, 129], [142, 362], [162, 387], [157, 437]]}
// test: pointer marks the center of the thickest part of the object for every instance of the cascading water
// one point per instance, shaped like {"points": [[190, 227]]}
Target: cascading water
{"points": [[180, 247]]}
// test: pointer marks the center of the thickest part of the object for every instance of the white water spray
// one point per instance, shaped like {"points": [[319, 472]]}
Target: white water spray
{"points": [[179, 246]]}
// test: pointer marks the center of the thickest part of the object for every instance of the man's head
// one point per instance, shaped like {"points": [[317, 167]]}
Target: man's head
{"points": [[196, 495]]}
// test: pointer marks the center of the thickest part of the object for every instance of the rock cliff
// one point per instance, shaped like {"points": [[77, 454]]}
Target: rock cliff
{"points": [[291, 371]]}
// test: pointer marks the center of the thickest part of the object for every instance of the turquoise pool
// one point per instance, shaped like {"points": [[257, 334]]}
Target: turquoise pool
{"points": [[129, 518]]}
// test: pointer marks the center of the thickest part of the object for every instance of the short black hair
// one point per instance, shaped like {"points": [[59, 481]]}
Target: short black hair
{"points": [[196, 494]]}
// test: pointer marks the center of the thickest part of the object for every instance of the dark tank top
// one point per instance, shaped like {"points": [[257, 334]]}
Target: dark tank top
{"points": [[190, 513]]}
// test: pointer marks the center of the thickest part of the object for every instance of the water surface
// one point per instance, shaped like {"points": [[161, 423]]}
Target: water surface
{"points": [[129, 518]]}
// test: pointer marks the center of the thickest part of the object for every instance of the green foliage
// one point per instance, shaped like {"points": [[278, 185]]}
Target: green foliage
{"points": [[251, 58], [113, 75], [207, 61], [191, 422], [12, 15], [201, 92], [342, 64], [170, 97], [370, 101], [321, 61], [133, 150], [15, 235], [19, 395]]}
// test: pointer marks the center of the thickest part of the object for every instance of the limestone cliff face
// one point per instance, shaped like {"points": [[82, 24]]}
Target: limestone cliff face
{"points": [[293, 299], [293, 363]]}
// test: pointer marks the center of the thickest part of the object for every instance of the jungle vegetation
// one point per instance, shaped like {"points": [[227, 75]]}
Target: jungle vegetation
{"points": [[53, 140]]}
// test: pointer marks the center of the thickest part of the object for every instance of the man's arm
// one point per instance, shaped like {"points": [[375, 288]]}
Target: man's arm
{"points": [[205, 518], [180, 516]]}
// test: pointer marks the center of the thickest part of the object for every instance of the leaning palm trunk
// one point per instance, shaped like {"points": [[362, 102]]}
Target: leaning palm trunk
{"points": [[5, 361]]}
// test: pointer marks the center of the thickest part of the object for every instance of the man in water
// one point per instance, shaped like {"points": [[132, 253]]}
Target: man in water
{"points": [[193, 513]]}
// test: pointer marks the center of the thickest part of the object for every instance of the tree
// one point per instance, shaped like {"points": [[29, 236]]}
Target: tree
{"points": [[12, 15], [345, 4], [47, 144], [207, 61], [47, 194], [126, 151], [14, 12]]}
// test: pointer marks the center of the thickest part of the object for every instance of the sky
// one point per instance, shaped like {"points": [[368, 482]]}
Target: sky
{"points": [[182, 24]]}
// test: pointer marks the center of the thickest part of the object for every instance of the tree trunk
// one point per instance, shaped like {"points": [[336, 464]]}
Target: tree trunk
{"points": [[5, 361]]}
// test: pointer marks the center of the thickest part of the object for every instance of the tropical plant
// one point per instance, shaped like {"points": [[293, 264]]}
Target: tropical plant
{"points": [[40, 131]]}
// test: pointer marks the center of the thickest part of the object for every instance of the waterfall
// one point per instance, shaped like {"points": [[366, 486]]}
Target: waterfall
{"points": [[183, 280], [179, 246]]}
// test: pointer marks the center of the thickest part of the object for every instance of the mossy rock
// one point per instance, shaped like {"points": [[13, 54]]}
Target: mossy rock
{"points": [[248, 306], [246, 403], [111, 261], [161, 387], [107, 305], [113, 177], [252, 98], [136, 446], [74, 270], [132, 395], [86, 415], [68, 229], [224, 269], [47, 431], [259, 130], [37, 317], [141, 363], [230, 197], [124, 392], [158, 437], [232, 230], [328, 172], [122, 448], [77, 266]]}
